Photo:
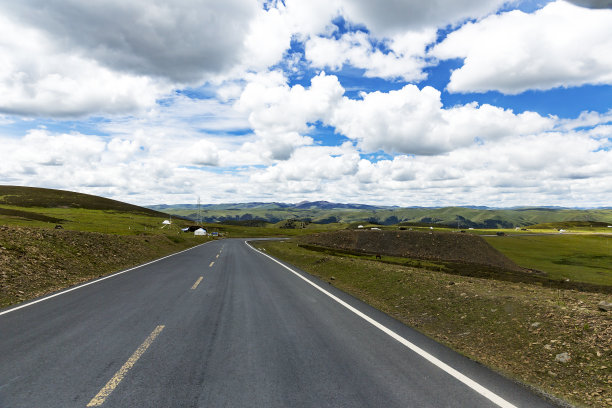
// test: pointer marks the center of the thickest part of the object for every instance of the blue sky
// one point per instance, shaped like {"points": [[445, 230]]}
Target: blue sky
{"points": [[449, 102]]}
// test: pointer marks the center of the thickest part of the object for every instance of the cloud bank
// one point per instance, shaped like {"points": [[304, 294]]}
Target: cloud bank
{"points": [[339, 100], [560, 45]]}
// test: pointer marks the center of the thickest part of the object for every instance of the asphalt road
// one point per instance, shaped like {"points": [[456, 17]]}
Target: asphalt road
{"points": [[222, 325]]}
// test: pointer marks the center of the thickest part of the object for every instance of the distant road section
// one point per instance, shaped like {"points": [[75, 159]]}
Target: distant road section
{"points": [[224, 325]]}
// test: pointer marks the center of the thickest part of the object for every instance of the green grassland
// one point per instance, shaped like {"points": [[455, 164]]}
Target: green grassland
{"points": [[50, 198], [46, 208], [82, 219], [582, 254], [582, 257]]}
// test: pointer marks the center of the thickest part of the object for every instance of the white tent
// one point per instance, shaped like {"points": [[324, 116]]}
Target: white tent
{"points": [[167, 222], [199, 231]]}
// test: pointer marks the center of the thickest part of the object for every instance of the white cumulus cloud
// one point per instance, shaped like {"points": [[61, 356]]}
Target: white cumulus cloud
{"points": [[404, 59], [280, 115], [560, 45], [413, 121], [180, 40], [38, 78]]}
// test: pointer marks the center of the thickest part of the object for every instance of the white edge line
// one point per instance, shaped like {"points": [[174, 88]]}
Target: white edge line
{"points": [[438, 363], [96, 281]]}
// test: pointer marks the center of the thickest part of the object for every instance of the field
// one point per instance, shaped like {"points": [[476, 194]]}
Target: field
{"points": [[514, 258], [515, 328], [583, 258], [45, 208]]}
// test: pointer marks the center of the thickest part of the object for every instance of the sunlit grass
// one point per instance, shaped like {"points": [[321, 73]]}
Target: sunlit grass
{"points": [[584, 258]]}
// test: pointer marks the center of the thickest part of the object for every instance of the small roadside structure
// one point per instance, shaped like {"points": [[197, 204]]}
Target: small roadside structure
{"points": [[200, 232]]}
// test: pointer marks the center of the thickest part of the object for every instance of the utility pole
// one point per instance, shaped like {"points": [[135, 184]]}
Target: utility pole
{"points": [[199, 213]]}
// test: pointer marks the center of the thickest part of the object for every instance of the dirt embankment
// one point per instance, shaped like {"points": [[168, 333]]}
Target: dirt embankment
{"points": [[36, 261], [435, 246]]}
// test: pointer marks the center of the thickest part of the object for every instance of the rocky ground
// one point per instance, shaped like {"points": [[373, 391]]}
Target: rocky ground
{"points": [[36, 261]]}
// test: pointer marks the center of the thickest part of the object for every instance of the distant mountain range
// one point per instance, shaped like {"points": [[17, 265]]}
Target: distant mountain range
{"points": [[304, 205], [325, 212]]}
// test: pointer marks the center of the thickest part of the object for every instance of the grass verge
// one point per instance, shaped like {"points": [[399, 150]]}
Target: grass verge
{"points": [[38, 261], [515, 328]]}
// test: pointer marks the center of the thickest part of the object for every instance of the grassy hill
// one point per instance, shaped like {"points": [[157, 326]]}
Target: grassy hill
{"points": [[325, 213], [46, 208], [48, 198], [52, 239]]}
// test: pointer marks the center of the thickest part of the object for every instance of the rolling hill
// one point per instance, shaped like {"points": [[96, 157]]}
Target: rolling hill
{"points": [[324, 212], [49, 198], [51, 239], [48, 208]]}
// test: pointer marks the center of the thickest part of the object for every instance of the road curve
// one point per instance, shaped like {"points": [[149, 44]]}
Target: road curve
{"points": [[222, 325]]}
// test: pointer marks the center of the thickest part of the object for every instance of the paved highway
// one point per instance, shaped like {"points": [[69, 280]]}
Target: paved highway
{"points": [[222, 325]]}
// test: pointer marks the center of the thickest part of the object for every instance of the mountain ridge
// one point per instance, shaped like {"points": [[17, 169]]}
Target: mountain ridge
{"points": [[325, 212]]}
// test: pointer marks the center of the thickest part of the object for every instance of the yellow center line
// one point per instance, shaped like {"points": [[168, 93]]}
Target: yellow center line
{"points": [[113, 382], [211, 264], [195, 285]]}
